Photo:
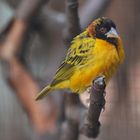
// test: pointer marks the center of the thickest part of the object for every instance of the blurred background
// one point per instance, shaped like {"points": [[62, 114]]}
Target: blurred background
{"points": [[33, 41]]}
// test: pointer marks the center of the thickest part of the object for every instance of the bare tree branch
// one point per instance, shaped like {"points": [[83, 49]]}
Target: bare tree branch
{"points": [[72, 113], [24, 14], [97, 102], [19, 78], [13, 40], [72, 20], [71, 125]]}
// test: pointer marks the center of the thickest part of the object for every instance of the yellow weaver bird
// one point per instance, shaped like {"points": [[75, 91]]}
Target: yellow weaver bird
{"points": [[96, 51]]}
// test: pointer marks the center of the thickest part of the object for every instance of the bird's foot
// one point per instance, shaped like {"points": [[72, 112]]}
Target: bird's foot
{"points": [[89, 89]]}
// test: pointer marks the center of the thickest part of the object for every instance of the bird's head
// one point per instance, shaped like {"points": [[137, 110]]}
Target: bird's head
{"points": [[104, 28]]}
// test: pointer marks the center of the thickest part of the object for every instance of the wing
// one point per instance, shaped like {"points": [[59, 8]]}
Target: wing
{"points": [[77, 56]]}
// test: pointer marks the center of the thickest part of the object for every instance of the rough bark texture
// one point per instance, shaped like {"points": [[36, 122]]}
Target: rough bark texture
{"points": [[97, 102]]}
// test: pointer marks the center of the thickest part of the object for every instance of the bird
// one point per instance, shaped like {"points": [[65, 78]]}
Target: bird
{"points": [[97, 51]]}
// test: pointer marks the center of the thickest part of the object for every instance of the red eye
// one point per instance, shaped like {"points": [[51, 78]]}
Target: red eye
{"points": [[103, 30]]}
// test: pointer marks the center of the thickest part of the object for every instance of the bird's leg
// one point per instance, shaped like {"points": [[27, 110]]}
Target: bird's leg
{"points": [[89, 89]]}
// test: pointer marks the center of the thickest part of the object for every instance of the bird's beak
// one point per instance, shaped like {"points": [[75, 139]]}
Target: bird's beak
{"points": [[112, 33]]}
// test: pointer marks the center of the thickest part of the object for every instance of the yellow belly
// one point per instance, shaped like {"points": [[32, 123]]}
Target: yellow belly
{"points": [[105, 62]]}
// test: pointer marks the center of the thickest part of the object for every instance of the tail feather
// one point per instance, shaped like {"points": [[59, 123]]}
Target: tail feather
{"points": [[43, 93]]}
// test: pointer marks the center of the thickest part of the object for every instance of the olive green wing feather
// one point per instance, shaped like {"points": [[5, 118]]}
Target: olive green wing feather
{"points": [[77, 56]]}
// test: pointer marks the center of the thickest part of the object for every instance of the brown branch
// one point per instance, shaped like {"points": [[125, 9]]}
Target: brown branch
{"points": [[71, 125], [21, 81], [72, 21], [70, 129], [13, 40], [24, 15], [26, 88], [97, 102]]}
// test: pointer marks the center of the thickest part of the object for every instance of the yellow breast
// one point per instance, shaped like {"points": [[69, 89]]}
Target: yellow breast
{"points": [[105, 61]]}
